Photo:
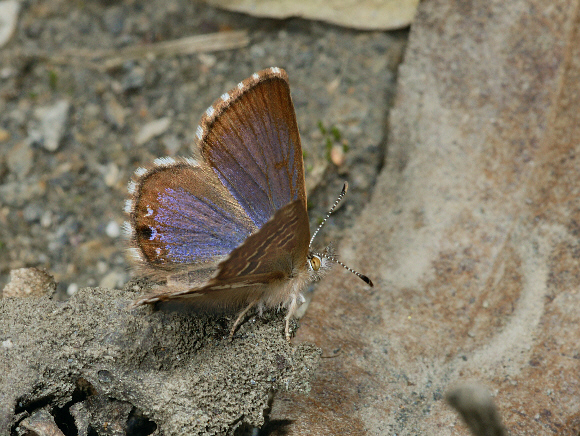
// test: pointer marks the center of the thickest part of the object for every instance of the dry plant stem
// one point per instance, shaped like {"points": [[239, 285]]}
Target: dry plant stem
{"points": [[104, 60]]}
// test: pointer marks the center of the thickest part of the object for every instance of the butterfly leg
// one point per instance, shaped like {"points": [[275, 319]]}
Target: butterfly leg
{"points": [[240, 318], [292, 308]]}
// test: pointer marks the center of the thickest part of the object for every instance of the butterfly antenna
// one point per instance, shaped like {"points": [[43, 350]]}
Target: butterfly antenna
{"points": [[338, 200], [356, 273]]}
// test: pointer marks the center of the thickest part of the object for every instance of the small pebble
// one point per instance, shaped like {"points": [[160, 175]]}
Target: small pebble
{"points": [[111, 174], [29, 282], [257, 51], [113, 229], [32, 213], [104, 376], [51, 126], [152, 130], [102, 267], [9, 12], [46, 219], [111, 280], [7, 344], [337, 155], [114, 112], [72, 289], [92, 111], [134, 80], [20, 159], [114, 20], [4, 134], [333, 86], [207, 60]]}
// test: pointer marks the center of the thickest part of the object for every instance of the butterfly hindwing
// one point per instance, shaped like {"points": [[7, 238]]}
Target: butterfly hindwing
{"points": [[274, 254], [182, 215]]}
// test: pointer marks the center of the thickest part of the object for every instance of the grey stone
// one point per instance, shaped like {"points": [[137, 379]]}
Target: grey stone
{"points": [[51, 126], [114, 19], [29, 282], [8, 20], [152, 129], [135, 79], [33, 213], [114, 112], [20, 159], [17, 194]]}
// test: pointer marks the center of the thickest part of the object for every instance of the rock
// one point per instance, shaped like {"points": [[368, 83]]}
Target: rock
{"points": [[8, 20], [111, 174], [134, 80], [114, 19], [49, 130], [113, 230], [471, 239], [113, 280], [7, 343], [33, 213], [337, 155], [4, 134], [72, 289], [47, 219], [20, 159], [17, 194], [41, 423], [114, 112], [29, 282], [109, 415], [152, 129], [178, 371]]}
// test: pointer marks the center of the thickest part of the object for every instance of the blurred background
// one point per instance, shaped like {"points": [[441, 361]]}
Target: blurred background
{"points": [[89, 91]]}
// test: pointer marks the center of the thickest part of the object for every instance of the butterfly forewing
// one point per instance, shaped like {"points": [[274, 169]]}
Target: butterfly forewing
{"points": [[251, 141]]}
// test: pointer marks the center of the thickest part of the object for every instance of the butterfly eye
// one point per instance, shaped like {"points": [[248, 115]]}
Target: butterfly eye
{"points": [[315, 262]]}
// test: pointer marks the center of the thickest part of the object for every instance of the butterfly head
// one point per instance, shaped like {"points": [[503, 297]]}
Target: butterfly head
{"points": [[314, 262], [320, 263]]}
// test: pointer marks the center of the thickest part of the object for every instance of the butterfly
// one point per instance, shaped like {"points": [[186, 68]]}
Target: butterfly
{"points": [[229, 228]]}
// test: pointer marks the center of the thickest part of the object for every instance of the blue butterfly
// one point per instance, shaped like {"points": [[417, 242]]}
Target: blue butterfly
{"points": [[230, 229]]}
